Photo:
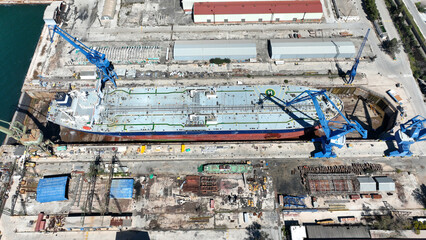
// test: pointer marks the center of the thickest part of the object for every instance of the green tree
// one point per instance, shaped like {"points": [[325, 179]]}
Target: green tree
{"points": [[254, 232], [391, 46], [420, 7], [220, 60]]}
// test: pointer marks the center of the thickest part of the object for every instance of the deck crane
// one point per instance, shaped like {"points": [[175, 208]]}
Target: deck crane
{"points": [[334, 136], [352, 72], [414, 130], [104, 66]]}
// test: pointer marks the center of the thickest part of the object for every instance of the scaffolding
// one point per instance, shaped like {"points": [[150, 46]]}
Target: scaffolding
{"points": [[122, 55], [321, 184]]}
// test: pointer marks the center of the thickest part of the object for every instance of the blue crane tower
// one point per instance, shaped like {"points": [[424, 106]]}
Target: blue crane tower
{"points": [[104, 66], [412, 131], [352, 72], [334, 136]]}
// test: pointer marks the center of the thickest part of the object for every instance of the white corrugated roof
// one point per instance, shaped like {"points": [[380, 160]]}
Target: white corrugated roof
{"points": [[229, 48], [366, 179], [49, 13], [109, 9], [311, 46]]}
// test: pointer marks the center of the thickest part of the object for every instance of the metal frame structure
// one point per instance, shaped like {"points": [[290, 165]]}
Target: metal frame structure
{"points": [[412, 131], [294, 201]]}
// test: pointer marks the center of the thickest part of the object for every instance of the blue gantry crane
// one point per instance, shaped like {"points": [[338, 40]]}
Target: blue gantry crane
{"points": [[335, 136], [412, 131], [104, 66], [352, 72]]}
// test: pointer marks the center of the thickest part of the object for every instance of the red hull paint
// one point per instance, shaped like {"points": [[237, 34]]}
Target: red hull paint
{"points": [[223, 137]]}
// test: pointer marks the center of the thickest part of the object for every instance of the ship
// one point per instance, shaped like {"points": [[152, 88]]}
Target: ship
{"points": [[221, 113]]}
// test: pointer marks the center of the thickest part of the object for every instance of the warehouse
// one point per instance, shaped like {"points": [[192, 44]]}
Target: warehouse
{"points": [[258, 12], [208, 49], [187, 5], [366, 184], [310, 48], [50, 189], [385, 184], [337, 232]]}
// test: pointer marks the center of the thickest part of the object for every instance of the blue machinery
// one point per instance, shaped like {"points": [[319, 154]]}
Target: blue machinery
{"points": [[352, 72], [334, 136], [412, 131], [105, 68], [294, 201]]}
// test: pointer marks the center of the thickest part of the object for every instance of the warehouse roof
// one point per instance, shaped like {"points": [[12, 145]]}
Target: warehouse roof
{"points": [[384, 179], [121, 188], [366, 179], [52, 189], [207, 49], [109, 9], [333, 232], [312, 47], [257, 7]]}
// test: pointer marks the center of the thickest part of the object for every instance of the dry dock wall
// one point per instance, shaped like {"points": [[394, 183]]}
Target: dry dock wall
{"points": [[382, 105]]}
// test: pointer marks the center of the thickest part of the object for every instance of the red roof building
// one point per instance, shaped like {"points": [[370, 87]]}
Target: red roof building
{"points": [[259, 11], [257, 7]]}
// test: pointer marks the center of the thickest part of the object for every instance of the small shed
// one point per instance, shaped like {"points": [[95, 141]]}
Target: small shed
{"points": [[51, 15], [121, 188], [366, 184], [109, 9], [50, 189], [385, 184], [208, 49], [298, 232]]}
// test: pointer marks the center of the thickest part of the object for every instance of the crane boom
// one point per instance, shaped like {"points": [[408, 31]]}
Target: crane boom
{"points": [[352, 72], [104, 66], [333, 136]]}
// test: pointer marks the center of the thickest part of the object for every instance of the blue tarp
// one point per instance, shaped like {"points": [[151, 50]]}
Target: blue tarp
{"points": [[121, 188], [52, 189]]}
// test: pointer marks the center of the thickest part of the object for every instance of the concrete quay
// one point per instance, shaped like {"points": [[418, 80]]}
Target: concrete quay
{"points": [[220, 151]]}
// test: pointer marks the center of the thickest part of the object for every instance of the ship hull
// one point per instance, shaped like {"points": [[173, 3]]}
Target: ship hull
{"points": [[213, 136]]}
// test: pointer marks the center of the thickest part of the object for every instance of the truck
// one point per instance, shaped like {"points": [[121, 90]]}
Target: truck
{"points": [[394, 96]]}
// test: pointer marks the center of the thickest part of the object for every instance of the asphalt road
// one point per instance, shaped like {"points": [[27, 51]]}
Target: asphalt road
{"points": [[415, 13]]}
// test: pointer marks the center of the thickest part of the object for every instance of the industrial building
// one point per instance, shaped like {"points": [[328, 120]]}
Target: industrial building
{"points": [[108, 11], [188, 5], [258, 12], [309, 48], [385, 184], [208, 49], [336, 232], [50, 189], [121, 188], [52, 14], [366, 184]]}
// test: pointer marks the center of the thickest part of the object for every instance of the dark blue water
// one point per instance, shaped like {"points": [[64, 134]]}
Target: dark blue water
{"points": [[20, 28]]}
